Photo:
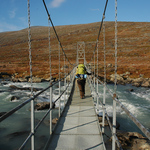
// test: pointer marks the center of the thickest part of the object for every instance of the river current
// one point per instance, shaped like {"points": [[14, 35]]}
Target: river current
{"points": [[15, 129]]}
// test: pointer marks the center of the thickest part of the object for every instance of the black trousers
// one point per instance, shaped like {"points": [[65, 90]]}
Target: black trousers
{"points": [[81, 85]]}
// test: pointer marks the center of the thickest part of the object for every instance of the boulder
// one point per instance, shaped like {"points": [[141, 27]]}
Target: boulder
{"points": [[129, 80], [120, 79], [14, 98], [43, 105], [141, 144], [125, 75], [109, 65], [138, 81], [146, 83], [136, 84], [133, 140], [35, 80], [54, 121], [22, 80], [4, 74], [131, 90], [13, 79]]}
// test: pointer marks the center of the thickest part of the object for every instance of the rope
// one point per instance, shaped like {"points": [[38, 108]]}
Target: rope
{"points": [[55, 31]]}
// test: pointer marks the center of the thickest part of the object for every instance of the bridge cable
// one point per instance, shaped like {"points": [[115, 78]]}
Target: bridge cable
{"points": [[115, 85], [30, 50], [55, 32], [30, 63], [104, 87], [100, 28]]}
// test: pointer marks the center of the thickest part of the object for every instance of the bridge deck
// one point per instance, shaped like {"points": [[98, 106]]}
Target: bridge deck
{"points": [[78, 127]]}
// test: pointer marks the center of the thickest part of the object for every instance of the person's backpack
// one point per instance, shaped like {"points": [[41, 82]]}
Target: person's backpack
{"points": [[81, 69]]}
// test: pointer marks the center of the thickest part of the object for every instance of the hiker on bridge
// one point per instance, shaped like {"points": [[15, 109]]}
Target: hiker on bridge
{"points": [[81, 75]]}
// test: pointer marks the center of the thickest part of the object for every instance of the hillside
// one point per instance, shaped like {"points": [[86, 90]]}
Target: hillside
{"points": [[133, 48]]}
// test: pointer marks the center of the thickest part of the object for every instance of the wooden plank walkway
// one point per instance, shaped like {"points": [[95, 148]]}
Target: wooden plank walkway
{"points": [[78, 127]]}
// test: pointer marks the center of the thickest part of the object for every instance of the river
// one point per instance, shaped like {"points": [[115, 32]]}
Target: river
{"points": [[15, 129]]}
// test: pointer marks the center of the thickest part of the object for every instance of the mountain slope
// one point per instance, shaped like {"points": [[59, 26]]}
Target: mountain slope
{"points": [[133, 48]]}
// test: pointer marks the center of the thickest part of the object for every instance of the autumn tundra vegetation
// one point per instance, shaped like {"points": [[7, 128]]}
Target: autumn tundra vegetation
{"points": [[133, 53]]}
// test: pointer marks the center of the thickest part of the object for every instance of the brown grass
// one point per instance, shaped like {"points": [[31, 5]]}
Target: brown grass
{"points": [[133, 48]]}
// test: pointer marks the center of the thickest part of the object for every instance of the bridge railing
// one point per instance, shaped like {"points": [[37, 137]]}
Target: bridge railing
{"points": [[114, 98], [100, 103], [67, 85]]}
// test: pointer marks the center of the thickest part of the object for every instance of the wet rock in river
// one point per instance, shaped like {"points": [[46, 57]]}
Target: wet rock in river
{"points": [[43, 105], [13, 98], [131, 90], [133, 140]]}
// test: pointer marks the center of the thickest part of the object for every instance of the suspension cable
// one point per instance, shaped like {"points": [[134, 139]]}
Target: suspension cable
{"points": [[115, 87], [104, 53], [50, 61], [55, 32], [104, 88], [29, 43], [30, 63], [100, 28]]}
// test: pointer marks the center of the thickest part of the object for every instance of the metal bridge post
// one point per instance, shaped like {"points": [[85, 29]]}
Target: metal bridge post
{"points": [[104, 99], [97, 80], [32, 124], [51, 110], [104, 92], [94, 79], [64, 81], [59, 78], [114, 123], [80, 52]]}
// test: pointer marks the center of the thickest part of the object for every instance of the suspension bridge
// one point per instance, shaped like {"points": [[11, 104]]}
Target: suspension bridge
{"points": [[78, 126]]}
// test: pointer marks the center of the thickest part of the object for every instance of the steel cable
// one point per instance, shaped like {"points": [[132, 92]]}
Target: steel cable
{"points": [[100, 29], [56, 32]]}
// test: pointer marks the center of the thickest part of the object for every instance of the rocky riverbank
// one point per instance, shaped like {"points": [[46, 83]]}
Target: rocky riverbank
{"points": [[128, 140], [122, 79], [125, 79]]}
